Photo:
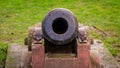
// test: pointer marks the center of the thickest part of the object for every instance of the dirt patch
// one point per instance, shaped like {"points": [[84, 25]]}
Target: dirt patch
{"points": [[98, 31]]}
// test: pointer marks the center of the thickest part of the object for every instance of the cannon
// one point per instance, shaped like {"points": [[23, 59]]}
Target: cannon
{"points": [[60, 26], [59, 42], [59, 29]]}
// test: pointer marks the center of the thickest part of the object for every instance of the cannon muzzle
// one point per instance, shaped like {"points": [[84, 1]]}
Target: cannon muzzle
{"points": [[60, 26]]}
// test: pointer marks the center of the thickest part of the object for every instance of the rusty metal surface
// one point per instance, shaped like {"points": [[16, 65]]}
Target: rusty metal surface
{"points": [[38, 56], [81, 61]]}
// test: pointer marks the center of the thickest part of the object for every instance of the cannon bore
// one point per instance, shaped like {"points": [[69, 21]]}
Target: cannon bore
{"points": [[60, 26]]}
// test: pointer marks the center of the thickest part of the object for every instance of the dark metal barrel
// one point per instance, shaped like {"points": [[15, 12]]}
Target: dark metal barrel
{"points": [[60, 26]]}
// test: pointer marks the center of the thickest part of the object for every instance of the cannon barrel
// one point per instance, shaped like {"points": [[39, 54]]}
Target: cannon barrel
{"points": [[60, 26]]}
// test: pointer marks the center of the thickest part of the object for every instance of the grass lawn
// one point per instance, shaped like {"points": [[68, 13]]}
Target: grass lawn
{"points": [[17, 15]]}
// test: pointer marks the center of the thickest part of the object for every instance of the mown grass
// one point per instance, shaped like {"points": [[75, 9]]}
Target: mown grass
{"points": [[17, 15]]}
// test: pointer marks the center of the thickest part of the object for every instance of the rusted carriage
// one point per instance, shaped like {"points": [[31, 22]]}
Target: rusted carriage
{"points": [[63, 43]]}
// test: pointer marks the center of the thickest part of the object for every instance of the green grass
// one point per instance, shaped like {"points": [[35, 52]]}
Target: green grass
{"points": [[3, 53], [17, 15]]}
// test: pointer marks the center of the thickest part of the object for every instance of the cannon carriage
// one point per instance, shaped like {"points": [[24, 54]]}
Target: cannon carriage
{"points": [[64, 44]]}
